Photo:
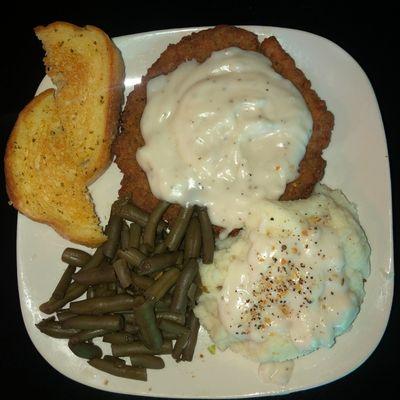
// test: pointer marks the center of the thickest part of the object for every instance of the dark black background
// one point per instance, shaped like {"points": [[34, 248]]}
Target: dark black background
{"points": [[368, 33]]}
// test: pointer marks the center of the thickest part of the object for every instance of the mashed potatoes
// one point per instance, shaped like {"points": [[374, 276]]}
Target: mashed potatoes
{"points": [[290, 282]]}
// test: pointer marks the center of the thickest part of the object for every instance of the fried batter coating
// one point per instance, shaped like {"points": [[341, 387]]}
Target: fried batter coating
{"points": [[312, 166], [200, 46]]}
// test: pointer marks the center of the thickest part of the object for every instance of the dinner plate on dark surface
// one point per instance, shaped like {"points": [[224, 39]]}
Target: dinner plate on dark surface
{"points": [[361, 172]]}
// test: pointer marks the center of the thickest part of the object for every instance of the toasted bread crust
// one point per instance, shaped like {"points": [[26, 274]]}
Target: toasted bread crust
{"points": [[117, 76], [42, 107], [77, 220], [113, 99], [199, 46], [11, 184]]}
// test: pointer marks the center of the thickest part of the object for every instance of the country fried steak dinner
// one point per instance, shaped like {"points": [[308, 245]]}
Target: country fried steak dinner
{"points": [[200, 46]]}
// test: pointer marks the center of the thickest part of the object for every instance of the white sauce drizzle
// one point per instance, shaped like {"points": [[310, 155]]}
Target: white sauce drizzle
{"points": [[223, 134], [290, 282]]}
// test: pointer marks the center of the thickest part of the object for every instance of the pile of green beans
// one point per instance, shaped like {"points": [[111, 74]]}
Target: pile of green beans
{"points": [[141, 286]]}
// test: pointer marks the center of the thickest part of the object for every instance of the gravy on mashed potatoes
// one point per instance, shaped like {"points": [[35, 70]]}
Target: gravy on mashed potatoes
{"points": [[290, 282]]}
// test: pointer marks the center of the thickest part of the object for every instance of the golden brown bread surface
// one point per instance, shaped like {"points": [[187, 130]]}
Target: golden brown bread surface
{"points": [[43, 181], [88, 70], [199, 46], [61, 141]]}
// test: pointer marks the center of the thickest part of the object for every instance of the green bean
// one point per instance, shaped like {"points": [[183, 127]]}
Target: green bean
{"points": [[197, 294], [155, 275], [197, 281], [160, 248], [95, 276], [180, 344], [129, 317], [120, 202], [171, 316], [193, 299], [124, 236], [138, 286], [63, 284], [89, 322], [169, 335], [102, 290], [135, 232], [142, 282], [157, 263], [135, 214], [75, 257], [120, 290], [147, 361], [173, 327], [146, 320], [123, 371], [85, 350], [143, 249], [162, 284], [107, 292], [132, 213], [139, 300], [167, 300], [90, 292], [180, 258], [95, 260], [123, 273], [164, 304], [133, 256], [55, 329], [132, 328], [161, 306], [179, 299], [129, 349], [62, 315], [178, 230], [172, 290], [149, 234], [119, 338], [115, 258], [112, 286], [133, 291], [103, 305], [191, 294], [85, 335], [44, 321], [194, 325], [192, 246], [74, 291], [114, 360], [114, 233], [207, 236]]}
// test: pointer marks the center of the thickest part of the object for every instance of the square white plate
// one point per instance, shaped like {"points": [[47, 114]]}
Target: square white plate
{"points": [[357, 164]]}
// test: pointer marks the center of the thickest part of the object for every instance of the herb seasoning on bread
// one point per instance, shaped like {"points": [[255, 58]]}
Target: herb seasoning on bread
{"points": [[61, 141]]}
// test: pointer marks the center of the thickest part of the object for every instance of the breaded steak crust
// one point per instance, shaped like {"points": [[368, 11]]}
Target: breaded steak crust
{"points": [[199, 46]]}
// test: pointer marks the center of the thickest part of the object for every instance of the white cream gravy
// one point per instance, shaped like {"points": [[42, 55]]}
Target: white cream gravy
{"points": [[223, 134]]}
